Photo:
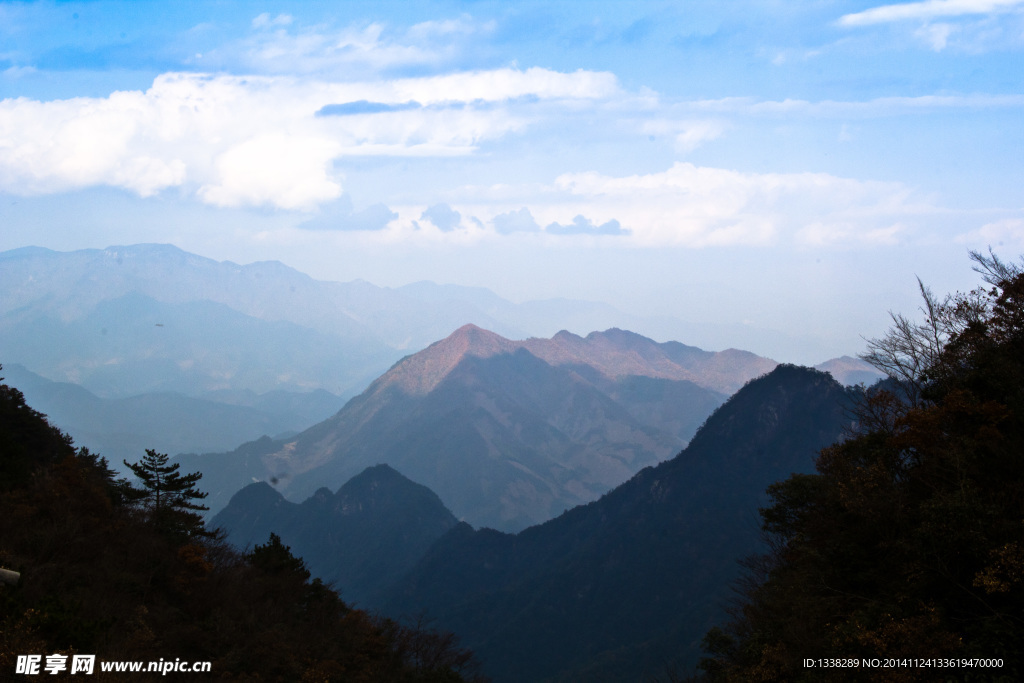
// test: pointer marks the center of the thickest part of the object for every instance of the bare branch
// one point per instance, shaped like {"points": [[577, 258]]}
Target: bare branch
{"points": [[993, 270]]}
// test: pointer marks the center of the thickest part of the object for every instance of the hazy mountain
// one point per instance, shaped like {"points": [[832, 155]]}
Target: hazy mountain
{"points": [[505, 437], [362, 538], [72, 283], [307, 408], [128, 320], [168, 422], [150, 317], [622, 587], [850, 371], [136, 344], [546, 317], [225, 473], [619, 353]]}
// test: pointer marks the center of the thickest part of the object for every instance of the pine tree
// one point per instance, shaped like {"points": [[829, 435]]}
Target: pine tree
{"points": [[275, 558], [168, 496]]}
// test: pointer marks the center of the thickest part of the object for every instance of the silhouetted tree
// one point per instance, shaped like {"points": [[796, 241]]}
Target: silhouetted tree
{"points": [[274, 557], [168, 495]]}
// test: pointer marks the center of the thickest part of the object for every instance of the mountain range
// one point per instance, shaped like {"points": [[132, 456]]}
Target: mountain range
{"points": [[508, 433], [621, 588], [631, 582], [145, 318], [528, 439], [155, 336], [127, 320]]}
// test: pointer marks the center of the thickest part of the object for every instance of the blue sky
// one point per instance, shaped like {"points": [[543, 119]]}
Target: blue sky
{"points": [[788, 166]]}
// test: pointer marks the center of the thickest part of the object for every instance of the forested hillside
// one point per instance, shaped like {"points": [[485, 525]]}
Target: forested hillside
{"points": [[113, 570], [908, 541]]}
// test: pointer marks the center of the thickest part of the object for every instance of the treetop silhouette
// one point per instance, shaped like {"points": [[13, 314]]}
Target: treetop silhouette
{"points": [[168, 496]]}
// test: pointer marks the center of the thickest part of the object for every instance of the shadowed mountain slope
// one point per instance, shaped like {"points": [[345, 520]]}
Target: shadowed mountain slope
{"points": [[616, 589], [362, 538]]}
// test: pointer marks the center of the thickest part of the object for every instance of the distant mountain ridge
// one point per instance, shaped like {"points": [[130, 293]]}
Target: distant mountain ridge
{"points": [[619, 353], [850, 371], [122, 428], [104, 318], [613, 353], [51, 303], [506, 438], [127, 320]]}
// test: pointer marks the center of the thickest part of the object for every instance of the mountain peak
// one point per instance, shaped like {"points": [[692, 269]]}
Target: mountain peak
{"points": [[567, 336], [381, 486], [477, 339], [373, 477], [419, 373], [259, 494], [616, 333]]}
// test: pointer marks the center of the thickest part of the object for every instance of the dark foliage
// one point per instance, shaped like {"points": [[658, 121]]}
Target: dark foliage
{"points": [[908, 542], [98, 578], [26, 439]]}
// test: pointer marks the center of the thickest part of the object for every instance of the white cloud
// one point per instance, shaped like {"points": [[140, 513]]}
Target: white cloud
{"points": [[881, 106], [446, 28], [46, 147], [967, 26], [279, 46], [312, 51], [1001, 233], [237, 140], [936, 35], [294, 171], [688, 135], [266, 21], [694, 206], [928, 9], [824, 234], [19, 71], [700, 206]]}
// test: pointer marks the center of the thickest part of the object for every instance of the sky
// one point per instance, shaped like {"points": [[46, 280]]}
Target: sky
{"points": [[786, 166]]}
